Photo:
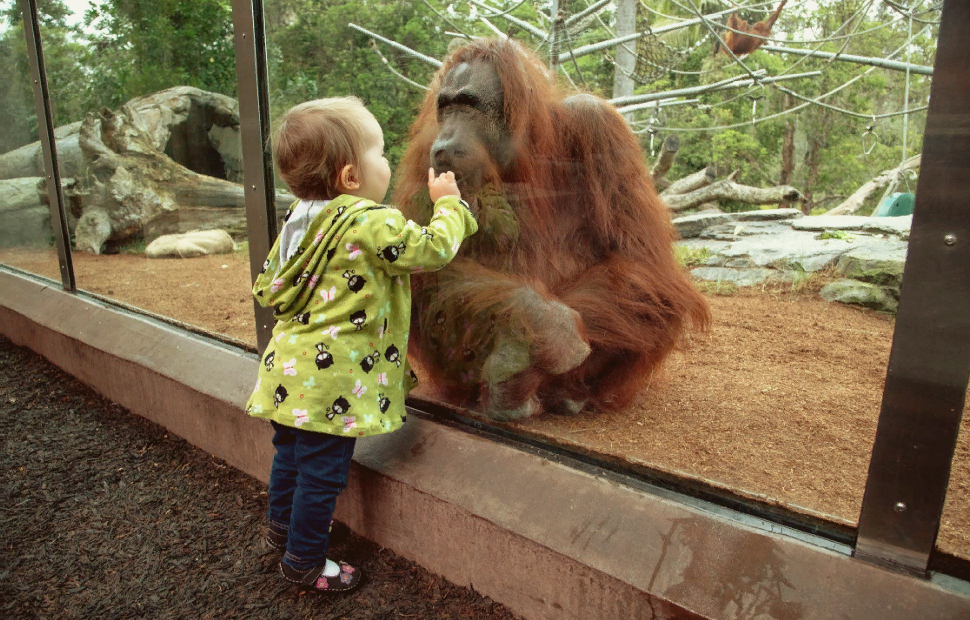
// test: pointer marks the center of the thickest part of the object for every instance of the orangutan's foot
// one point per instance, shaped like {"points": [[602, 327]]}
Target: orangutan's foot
{"points": [[563, 337]]}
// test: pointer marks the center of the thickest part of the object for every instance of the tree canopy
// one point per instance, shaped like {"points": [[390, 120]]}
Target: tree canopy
{"points": [[120, 49]]}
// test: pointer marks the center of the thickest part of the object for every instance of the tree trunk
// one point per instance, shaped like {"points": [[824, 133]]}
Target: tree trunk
{"points": [[28, 160], [856, 200], [691, 182], [788, 147], [155, 154], [812, 158], [626, 60], [727, 189]]}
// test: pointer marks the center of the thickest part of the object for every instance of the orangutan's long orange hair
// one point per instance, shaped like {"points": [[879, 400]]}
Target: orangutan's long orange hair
{"points": [[592, 233]]}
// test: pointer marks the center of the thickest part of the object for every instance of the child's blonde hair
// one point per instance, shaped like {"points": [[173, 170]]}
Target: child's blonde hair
{"points": [[314, 141]]}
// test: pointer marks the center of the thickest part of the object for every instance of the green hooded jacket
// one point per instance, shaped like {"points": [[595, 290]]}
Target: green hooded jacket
{"points": [[337, 361]]}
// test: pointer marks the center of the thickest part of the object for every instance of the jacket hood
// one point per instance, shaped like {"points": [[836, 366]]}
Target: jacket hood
{"points": [[288, 287]]}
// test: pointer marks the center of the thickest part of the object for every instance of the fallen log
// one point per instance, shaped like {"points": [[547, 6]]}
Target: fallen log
{"points": [[854, 202], [152, 156], [691, 182], [727, 189]]}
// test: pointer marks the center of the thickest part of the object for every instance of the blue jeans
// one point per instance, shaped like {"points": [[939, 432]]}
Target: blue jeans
{"points": [[309, 472]]}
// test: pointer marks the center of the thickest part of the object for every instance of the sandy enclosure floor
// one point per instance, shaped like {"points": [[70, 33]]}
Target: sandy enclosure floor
{"points": [[779, 401]]}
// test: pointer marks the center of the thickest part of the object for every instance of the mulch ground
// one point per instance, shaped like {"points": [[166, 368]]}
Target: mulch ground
{"points": [[105, 515]]}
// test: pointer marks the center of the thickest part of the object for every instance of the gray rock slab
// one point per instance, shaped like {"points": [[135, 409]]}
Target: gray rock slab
{"points": [[886, 225], [691, 225], [899, 225], [732, 230], [740, 277], [788, 250], [860, 294], [880, 263], [768, 215]]}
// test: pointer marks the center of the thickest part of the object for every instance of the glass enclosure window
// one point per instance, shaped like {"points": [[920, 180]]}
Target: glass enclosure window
{"points": [[156, 208], [26, 237], [779, 399], [954, 537]]}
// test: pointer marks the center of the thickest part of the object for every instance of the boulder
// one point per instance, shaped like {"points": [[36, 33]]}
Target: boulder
{"points": [[740, 277], [860, 294], [691, 225], [878, 264]]}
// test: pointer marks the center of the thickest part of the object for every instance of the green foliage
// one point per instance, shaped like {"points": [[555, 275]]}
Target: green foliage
{"points": [[724, 288], [143, 46], [691, 256], [129, 48], [134, 247], [836, 234]]}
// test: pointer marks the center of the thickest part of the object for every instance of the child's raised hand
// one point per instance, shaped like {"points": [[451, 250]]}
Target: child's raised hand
{"points": [[443, 185]]}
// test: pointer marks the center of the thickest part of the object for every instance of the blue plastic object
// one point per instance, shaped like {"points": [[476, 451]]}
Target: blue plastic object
{"points": [[897, 204]]}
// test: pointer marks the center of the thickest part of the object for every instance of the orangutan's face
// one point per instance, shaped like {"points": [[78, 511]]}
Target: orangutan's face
{"points": [[474, 140]]}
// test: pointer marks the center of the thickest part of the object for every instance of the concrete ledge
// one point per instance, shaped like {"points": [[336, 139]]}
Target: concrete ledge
{"points": [[545, 539]]}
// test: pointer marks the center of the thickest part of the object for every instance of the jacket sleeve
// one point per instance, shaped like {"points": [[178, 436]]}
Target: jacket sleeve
{"points": [[405, 247]]}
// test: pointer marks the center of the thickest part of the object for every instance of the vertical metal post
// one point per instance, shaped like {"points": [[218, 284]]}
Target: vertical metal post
{"points": [[251, 79], [45, 130], [926, 381]]}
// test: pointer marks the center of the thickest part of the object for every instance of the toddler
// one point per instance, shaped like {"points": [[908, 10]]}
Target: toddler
{"points": [[338, 279]]}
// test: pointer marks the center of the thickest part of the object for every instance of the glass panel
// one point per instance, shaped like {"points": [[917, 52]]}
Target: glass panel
{"points": [[780, 398], [145, 93], [26, 237], [954, 537]]}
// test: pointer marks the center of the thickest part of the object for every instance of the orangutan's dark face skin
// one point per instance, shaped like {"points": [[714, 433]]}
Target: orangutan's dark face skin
{"points": [[473, 135]]}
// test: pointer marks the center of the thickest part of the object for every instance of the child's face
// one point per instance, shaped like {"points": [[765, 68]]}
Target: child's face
{"points": [[375, 172]]}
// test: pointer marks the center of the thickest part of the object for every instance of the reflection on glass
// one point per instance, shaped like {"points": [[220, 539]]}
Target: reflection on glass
{"points": [[143, 95], [779, 399], [26, 237]]}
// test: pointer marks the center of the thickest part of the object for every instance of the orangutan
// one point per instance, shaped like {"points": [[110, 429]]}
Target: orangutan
{"points": [[569, 296], [742, 44]]}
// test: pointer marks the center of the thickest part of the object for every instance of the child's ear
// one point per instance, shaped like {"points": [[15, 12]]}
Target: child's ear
{"points": [[347, 179]]}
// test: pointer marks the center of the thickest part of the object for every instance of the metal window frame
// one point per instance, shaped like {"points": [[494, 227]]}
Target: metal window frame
{"points": [[45, 129], [929, 365], [252, 86]]}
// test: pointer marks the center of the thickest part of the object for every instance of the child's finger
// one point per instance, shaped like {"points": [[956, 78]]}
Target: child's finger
{"points": [[430, 176]]}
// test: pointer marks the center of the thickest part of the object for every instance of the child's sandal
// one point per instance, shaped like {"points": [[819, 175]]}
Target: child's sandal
{"points": [[346, 580]]}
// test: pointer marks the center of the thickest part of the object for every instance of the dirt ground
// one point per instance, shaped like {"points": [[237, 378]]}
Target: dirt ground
{"points": [[779, 401], [107, 516]]}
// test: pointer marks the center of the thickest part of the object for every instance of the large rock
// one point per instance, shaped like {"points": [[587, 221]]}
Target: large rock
{"points": [[190, 244], [898, 226], [766, 215], [860, 294], [691, 225], [740, 277], [784, 250], [879, 264], [733, 230]]}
